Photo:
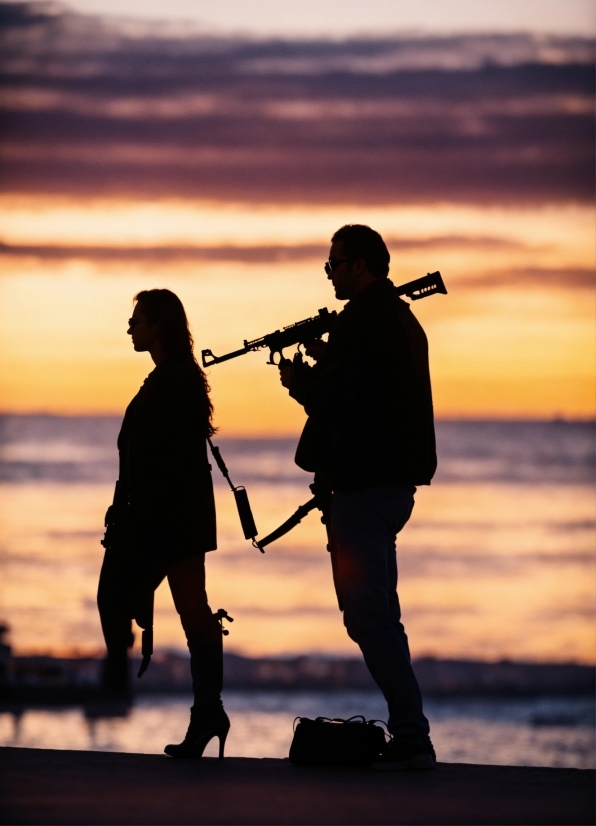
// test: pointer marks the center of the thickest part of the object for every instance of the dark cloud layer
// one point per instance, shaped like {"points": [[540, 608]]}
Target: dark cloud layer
{"points": [[567, 277], [256, 254], [88, 109]]}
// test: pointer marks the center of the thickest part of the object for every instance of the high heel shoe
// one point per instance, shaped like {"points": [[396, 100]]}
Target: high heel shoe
{"points": [[205, 724]]}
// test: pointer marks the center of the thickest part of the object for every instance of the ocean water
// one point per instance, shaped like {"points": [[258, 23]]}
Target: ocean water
{"points": [[555, 732], [496, 562]]}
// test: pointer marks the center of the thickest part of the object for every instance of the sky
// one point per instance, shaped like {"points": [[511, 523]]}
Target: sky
{"points": [[220, 167], [312, 18]]}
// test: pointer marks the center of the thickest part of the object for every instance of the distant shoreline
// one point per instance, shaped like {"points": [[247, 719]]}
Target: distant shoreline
{"points": [[38, 679]]}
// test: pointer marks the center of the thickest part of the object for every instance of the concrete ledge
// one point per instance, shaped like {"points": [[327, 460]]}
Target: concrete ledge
{"points": [[77, 787]]}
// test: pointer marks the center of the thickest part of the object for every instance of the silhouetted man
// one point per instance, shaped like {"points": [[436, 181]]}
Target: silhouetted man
{"points": [[370, 436]]}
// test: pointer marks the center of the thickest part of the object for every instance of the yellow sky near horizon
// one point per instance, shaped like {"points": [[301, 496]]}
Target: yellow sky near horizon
{"points": [[66, 220], [514, 337]]}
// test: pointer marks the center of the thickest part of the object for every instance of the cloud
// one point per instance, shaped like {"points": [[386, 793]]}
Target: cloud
{"points": [[249, 255], [260, 254], [568, 277], [89, 107]]}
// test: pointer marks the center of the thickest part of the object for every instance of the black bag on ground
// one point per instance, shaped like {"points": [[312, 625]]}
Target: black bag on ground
{"points": [[325, 742]]}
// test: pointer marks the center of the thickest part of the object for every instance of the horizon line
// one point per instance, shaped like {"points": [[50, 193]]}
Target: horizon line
{"points": [[556, 418]]}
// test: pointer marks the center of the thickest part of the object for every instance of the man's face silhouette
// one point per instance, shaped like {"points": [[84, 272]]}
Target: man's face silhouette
{"points": [[343, 277], [349, 274]]}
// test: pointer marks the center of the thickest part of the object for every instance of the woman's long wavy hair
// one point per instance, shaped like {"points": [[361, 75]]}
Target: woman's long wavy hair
{"points": [[164, 308]]}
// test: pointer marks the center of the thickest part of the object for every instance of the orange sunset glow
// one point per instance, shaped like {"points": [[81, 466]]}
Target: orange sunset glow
{"points": [[513, 337]]}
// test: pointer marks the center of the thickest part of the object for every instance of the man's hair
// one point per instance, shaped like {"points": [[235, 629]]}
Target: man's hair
{"points": [[360, 241]]}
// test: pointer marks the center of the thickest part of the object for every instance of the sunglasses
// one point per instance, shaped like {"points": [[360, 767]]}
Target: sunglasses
{"points": [[333, 263], [132, 322]]}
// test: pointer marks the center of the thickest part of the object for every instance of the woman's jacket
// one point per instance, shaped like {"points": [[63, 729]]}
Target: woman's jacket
{"points": [[165, 477]]}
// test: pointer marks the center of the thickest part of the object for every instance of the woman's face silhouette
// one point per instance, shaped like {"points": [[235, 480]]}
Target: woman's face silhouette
{"points": [[145, 336]]}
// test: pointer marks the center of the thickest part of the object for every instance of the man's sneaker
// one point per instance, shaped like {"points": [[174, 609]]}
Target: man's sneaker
{"points": [[400, 756]]}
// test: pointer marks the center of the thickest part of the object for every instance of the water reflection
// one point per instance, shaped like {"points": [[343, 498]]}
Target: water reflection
{"points": [[555, 732]]}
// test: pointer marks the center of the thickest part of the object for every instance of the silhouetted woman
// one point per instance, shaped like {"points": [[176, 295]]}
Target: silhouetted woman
{"points": [[162, 521]]}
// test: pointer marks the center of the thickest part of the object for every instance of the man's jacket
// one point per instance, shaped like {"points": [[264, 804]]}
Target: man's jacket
{"points": [[165, 477], [369, 401]]}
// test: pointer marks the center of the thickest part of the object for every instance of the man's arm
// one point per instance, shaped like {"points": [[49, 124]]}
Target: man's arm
{"points": [[366, 367], [297, 376]]}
